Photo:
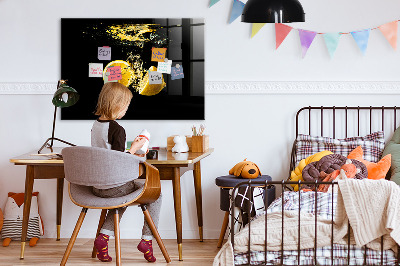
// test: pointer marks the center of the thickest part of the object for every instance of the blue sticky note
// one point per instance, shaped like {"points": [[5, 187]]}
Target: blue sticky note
{"points": [[177, 72]]}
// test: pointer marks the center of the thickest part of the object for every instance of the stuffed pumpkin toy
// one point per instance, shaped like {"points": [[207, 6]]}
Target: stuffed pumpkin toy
{"points": [[13, 215], [377, 170], [245, 169]]}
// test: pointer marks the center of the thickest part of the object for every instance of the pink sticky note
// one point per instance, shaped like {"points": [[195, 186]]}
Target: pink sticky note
{"points": [[115, 73]]}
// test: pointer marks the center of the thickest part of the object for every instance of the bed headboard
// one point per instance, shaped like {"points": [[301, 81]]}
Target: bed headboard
{"points": [[344, 121]]}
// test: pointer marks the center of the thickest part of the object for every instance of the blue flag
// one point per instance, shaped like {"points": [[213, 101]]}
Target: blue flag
{"points": [[361, 38], [237, 9]]}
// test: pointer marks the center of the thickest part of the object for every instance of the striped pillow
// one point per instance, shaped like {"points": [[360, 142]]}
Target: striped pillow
{"points": [[372, 145]]}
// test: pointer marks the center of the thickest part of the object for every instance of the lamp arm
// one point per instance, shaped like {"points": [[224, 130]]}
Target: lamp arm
{"points": [[54, 126]]}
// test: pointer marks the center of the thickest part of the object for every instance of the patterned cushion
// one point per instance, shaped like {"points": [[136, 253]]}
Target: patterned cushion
{"points": [[372, 144]]}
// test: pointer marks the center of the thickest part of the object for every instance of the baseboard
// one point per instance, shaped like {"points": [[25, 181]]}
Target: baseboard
{"points": [[247, 87]]}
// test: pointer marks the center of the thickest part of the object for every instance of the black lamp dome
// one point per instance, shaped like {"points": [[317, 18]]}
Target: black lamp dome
{"points": [[273, 11]]}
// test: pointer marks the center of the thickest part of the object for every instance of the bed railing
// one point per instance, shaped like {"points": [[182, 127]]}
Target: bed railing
{"points": [[265, 185], [345, 118]]}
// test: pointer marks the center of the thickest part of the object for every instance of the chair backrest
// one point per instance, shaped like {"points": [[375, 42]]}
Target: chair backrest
{"points": [[92, 166]]}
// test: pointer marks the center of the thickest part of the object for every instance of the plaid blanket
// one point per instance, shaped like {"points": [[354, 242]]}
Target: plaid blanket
{"points": [[322, 204]]}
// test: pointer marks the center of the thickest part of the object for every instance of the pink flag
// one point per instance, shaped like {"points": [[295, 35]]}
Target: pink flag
{"points": [[389, 30], [306, 38], [281, 31]]}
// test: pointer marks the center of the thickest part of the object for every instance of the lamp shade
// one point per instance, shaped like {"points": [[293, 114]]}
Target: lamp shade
{"points": [[273, 11], [65, 96]]}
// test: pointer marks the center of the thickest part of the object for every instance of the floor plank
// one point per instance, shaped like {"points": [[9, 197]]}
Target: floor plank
{"points": [[49, 252]]}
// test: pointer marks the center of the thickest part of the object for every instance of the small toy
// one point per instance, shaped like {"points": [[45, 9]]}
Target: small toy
{"points": [[245, 169], [13, 215], [376, 170], [180, 144]]}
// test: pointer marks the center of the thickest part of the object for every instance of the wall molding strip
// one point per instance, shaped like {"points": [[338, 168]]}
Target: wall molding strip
{"points": [[248, 87]]}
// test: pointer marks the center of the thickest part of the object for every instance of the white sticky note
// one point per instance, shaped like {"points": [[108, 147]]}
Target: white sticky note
{"points": [[104, 53], [155, 77], [95, 70], [164, 67]]}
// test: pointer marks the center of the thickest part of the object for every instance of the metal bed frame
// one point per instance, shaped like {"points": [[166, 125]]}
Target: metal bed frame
{"points": [[284, 183]]}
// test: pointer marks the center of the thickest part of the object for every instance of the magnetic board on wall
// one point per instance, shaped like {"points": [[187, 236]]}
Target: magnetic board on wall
{"points": [[92, 49]]}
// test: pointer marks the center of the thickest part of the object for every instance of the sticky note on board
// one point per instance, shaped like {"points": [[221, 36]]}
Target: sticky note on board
{"points": [[177, 72], [107, 74], [164, 67], [158, 54], [104, 53], [115, 73], [155, 77], [95, 70]]}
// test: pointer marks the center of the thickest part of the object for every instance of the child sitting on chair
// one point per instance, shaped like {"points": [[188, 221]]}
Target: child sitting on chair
{"points": [[112, 104]]}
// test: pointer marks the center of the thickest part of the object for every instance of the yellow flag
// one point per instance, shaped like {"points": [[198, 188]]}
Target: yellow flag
{"points": [[256, 27]]}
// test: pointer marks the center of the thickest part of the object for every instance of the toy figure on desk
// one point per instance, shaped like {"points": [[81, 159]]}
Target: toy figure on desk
{"points": [[13, 215], [180, 144]]}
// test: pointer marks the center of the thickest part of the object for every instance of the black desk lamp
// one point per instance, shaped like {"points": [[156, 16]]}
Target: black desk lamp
{"points": [[273, 11], [65, 96]]}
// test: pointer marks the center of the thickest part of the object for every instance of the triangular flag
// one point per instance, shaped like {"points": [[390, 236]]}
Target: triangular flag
{"points": [[390, 32], [281, 31], [213, 2], [255, 28], [306, 39], [237, 9], [332, 41], [361, 37]]}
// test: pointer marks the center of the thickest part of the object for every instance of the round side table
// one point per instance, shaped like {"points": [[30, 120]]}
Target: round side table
{"points": [[228, 182]]}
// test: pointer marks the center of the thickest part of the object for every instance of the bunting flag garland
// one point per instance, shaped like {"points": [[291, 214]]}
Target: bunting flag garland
{"points": [[237, 9], [306, 39], [389, 30], [213, 2], [332, 41], [281, 31], [361, 38], [256, 28]]}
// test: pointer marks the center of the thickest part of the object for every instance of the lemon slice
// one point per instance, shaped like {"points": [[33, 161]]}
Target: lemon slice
{"points": [[127, 72], [145, 88]]}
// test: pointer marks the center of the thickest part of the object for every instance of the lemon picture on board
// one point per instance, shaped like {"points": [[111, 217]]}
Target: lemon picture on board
{"points": [[145, 88], [127, 72]]}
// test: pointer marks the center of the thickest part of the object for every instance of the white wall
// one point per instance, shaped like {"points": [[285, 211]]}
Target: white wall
{"points": [[259, 127]]}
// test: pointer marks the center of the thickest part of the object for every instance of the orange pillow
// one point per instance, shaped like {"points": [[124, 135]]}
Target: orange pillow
{"points": [[375, 170]]}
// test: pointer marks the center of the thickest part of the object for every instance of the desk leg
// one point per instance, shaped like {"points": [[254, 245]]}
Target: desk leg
{"points": [[176, 182], [199, 204], [60, 190], [27, 206]]}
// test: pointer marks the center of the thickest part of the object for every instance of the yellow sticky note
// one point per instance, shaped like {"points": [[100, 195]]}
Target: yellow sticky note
{"points": [[158, 54]]}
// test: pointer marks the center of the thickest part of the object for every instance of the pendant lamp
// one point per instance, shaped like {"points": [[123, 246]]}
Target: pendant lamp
{"points": [[273, 11], [64, 96]]}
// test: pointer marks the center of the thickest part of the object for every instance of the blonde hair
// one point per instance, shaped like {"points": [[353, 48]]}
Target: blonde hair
{"points": [[112, 99]]}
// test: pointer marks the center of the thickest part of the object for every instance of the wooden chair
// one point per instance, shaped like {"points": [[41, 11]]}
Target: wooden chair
{"points": [[85, 167]]}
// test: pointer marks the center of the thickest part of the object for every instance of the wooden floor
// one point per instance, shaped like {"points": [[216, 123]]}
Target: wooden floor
{"points": [[50, 252]]}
